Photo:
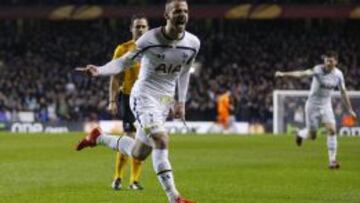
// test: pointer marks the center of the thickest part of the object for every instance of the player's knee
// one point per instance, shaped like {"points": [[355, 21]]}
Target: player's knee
{"points": [[331, 131], [160, 140], [123, 157], [140, 151], [130, 134], [141, 156]]}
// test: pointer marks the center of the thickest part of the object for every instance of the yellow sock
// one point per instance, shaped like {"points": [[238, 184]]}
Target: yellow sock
{"points": [[120, 164], [136, 167]]}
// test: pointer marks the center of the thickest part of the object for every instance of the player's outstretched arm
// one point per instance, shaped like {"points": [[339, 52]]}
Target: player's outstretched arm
{"points": [[295, 74], [90, 70], [347, 102], [113, 67]]}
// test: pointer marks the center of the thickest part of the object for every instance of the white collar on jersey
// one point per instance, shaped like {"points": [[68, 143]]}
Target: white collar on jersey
{"points": [[168, 37]]}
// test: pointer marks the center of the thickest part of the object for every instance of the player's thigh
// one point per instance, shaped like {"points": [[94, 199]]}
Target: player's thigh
{"points": [[328, 120], [149, 112], [312, 117]]}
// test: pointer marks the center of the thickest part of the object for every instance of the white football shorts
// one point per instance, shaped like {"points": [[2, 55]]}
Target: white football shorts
{"points": [[150, 112], [318, 114]]}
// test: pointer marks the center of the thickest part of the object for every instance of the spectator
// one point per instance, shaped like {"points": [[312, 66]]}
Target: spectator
{"points": [[36, 71]]}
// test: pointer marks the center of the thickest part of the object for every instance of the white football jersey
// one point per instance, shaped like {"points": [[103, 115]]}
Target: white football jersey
{"points": [[324, 83], [162, 61]]}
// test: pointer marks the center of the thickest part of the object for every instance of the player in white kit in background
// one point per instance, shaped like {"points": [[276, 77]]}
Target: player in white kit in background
{"points": [[318, 109], [166, 55]]}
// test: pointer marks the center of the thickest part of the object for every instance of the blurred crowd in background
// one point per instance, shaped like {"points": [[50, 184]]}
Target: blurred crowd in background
{"points": [[152, 2], [37, 59]]}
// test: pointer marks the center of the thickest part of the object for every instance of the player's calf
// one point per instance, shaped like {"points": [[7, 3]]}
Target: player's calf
{"points": [[332, 146], [123, 144], [162, 166]]}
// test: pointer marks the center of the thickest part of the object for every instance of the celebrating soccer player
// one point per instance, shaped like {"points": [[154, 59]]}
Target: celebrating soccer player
{"points": [[318, 109], [166, 54]]}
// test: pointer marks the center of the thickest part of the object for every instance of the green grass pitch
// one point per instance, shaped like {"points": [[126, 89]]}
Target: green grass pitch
{"points": [[208, 169]]}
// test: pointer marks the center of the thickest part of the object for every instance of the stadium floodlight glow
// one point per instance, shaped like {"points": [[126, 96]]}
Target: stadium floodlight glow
{"points": [[288, 106]]}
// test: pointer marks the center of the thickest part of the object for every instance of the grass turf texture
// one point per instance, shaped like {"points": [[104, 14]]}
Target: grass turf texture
{"points": [[46, 168]]}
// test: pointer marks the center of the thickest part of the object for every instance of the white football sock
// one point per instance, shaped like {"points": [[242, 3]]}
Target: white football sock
{"points": [[107, 140], [123, 144], [303, 133], [332, 147], [163, 170]]}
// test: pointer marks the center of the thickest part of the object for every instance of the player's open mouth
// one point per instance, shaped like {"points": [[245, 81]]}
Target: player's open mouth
{"points": [[182, 22]]}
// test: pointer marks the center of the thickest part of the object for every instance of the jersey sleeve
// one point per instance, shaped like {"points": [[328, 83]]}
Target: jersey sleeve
{"points": [[316, 69], [183, 81], [140, 46], [197, 48], [127, 60], [341, 84]]}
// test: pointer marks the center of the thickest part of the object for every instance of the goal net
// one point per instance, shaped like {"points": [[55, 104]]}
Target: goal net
{"points": [[289, 111]]}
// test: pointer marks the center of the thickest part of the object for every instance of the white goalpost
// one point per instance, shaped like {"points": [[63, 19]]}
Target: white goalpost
{"points": [[288, 106]]}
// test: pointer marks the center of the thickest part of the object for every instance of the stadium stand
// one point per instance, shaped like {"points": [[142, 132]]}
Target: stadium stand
{"points": [[37, 59], [152, 2]]}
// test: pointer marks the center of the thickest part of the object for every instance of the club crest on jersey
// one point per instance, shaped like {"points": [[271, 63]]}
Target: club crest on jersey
{"points": [[185, 56], [161, 56], [164, 69]]}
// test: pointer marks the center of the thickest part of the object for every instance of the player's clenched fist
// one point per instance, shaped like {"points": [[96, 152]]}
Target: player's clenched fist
{"points": [[113, 108], [90, 70], [179, 110], [279, 74], [353, 114]]}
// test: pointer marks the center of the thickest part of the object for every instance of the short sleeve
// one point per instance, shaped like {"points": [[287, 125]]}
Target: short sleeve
{"points": [[341, 84], [140, 46], [197, 44]]}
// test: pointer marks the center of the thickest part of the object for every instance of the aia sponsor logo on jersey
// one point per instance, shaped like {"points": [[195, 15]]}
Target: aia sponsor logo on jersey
{"points": [[327, 86], [164, 69], [184, 57]]}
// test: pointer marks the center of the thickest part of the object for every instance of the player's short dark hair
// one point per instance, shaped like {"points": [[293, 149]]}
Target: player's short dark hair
{"points": [[331, 54], [137, 17], [168, 2]]}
